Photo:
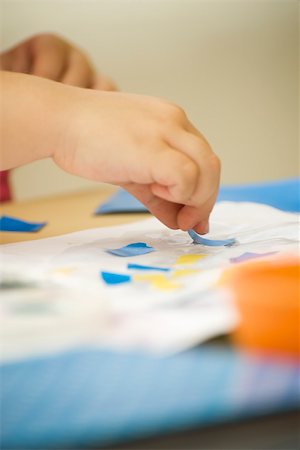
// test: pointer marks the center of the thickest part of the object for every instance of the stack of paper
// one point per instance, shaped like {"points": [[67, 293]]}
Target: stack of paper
{"points": [[59, 292]]}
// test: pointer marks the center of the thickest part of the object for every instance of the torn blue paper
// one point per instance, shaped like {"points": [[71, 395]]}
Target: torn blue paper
{"points": [[8, 223], [121, 202], [249, 255], [135, 249], [142, 267], [115, 278], [281, 194], [210, 242]]}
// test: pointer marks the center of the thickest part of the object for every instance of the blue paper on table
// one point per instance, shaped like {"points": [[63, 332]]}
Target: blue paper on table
{"points": [[210, 242], [8, 223], [135, 249], [142, 267], [121, 202], [282, 194], [99, 398], [115, 278]]}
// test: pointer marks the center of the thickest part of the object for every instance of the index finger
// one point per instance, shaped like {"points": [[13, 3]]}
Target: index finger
{"points": [[49, 57]]}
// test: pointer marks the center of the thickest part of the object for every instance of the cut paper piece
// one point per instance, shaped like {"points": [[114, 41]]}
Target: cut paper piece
{"points": [[115, 278], [158, 281], [210, 242], [249, 255], [8, 223], [184, 273], [281, 194], [189, 258], [135, 249], [121, 202], [142, 267]]}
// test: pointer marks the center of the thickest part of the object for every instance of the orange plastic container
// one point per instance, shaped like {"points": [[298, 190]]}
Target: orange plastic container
{"points": [[267, 294]]}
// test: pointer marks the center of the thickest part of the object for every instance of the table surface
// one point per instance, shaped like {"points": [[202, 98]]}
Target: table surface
{"points": [[74, 212], [64, 214]]}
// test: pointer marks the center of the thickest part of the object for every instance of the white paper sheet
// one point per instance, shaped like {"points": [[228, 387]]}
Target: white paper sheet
{"points": [[79, 309]]}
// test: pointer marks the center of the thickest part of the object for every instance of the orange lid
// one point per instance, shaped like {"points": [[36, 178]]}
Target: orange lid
{"points": [[267, 294]]}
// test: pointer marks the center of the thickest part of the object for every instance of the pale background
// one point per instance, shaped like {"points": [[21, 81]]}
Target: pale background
{"points": [[232, 65]]}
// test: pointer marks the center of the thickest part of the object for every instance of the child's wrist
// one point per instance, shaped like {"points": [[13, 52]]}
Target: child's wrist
{"points": [[56, 117]]}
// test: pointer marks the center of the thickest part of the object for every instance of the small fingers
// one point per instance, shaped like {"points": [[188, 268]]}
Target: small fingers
{"points": [[16, 59], [200, 182], [198, 150], [175, 176], [196, 217], [102, 83], [79, 71], [49, 57], [165, 211]]}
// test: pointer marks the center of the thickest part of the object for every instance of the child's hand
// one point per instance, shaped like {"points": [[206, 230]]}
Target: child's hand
{"points": [[49, 56], [146, 145]]}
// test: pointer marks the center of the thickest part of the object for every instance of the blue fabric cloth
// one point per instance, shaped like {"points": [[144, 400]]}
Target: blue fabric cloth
{"points": [[98, 397], [283, 194]]}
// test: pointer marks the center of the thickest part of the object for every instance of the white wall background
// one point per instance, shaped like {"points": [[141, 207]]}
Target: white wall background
{"points": [[233, 66]]}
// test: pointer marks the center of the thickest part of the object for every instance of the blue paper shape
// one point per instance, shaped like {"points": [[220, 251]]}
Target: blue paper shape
{"points": [[142, 267], [115, 278], [248, 256], [121, 202], [210, 242], [135, 249], [281, 194], [8, 223]]}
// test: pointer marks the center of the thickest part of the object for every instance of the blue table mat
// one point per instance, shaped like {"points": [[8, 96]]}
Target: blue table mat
{"points": [[282, 194], [84, 397], [99, 397]]}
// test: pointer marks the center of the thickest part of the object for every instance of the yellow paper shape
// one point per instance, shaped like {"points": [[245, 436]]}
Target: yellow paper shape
{"points": [[189, 258], [158, 281], [184, 272]]}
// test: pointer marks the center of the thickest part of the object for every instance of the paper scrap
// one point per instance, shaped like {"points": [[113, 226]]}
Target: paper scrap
{"points": [[158, 281], [210, 242], [189, 258], [135, 249], [8, 223], [121, 202], [184, 273], [142, 267], [249, 255], [115, 278], [281, 194]]}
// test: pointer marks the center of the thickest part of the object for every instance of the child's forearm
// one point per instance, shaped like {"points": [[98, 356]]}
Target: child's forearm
{"points": [[32, 118]]}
